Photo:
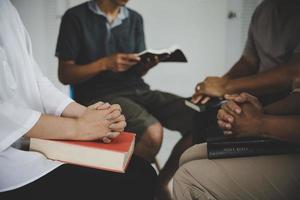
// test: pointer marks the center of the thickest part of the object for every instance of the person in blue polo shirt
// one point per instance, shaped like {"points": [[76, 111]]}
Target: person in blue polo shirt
{"points": [[97, 46]]}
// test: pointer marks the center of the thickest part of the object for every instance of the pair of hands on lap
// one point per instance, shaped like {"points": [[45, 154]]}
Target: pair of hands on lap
{"points": [[241, 116], [100, 121]]}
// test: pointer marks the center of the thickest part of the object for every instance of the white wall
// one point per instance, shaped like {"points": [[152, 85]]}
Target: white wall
{"points": [[198, 26]]}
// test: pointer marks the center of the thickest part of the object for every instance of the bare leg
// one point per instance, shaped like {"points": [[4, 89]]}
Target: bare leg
{"points": [[171, 167], [150, 143]]}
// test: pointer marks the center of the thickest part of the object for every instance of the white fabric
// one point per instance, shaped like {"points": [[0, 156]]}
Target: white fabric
{"points": [[24, 95]]}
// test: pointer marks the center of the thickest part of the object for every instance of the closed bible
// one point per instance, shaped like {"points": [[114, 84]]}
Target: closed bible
{"points": [[114, 156]]}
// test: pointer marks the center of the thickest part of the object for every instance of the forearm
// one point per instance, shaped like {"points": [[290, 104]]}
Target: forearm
{"points": [[52, 127], [71, 73], [286, 128], [244, 67], [275, 80], [73, 110], [287, 106]]}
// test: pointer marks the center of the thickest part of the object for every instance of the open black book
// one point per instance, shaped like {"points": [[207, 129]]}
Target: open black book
{"points": [[150, 57], [172, 54]]}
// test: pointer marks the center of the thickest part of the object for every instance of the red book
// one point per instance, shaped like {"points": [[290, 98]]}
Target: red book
{"points": [[114, 156]]}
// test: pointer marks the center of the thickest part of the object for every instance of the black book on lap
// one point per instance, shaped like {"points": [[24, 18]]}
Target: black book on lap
{"points": [[226, 147], [220, 146]]}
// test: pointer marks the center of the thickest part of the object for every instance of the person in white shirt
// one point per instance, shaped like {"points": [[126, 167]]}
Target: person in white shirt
{"points": [[30, 106]]}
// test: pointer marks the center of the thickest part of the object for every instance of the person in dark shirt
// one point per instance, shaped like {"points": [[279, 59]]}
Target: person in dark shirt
{"points": [[97, 48]]}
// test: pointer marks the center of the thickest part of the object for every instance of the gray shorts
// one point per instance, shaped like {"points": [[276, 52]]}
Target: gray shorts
{"points": [[144, 107]]}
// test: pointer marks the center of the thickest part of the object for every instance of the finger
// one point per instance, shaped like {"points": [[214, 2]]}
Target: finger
{"points": [[132, 57], [115, 107], [252, 99], [227, 133], [106, 140], [96, 105], [120, 126], [196, 99], [224, 116], [113, 115], [235, 97], [223, 125], [104, 106], [118, 119], [156, 60], [112, 135], [198, 86], [232, 106], [205, 100]]}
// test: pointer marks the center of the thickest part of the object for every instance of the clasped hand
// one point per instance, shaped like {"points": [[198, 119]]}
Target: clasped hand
{"points": [[241, 116], [101, 121]]}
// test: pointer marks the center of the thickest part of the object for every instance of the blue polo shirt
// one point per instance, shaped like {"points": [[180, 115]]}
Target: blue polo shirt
{"points": [[86, 35]]}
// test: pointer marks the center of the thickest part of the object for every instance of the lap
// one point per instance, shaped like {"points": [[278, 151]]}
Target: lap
{"points": [[72, 181], [145, 107], [137, 117], [196, 152], [261, 177]]}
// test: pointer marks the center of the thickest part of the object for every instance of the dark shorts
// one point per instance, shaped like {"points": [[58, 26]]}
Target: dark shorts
{"points": [[144, 107]]}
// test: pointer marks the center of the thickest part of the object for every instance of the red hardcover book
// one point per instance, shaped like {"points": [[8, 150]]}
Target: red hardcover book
{"points": [[114, 156]]}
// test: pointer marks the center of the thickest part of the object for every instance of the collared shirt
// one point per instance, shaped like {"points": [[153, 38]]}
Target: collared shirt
{"points": [[274, 33], [86, 35], [25, 94], [123, 14]]}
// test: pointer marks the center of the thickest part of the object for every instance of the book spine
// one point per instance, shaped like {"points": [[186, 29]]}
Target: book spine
{"points": [[233, 151]]}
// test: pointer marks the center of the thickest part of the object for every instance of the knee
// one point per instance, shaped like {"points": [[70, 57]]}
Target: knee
{"points": [[153, 138], [195, 152], [155, 133]]}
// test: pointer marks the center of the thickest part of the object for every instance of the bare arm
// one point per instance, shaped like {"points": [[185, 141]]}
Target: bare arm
{"points": [[69, 72], [244, 67], [281, 127], [274, 80], [215, 86], [52, 127], [251, 121], [288, 106], [94, 123]]}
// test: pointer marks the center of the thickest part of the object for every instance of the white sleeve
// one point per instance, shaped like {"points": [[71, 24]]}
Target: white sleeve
{"points": [[15, 122], [54, 101]]}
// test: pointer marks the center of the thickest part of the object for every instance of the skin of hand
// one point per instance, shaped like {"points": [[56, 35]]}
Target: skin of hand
{"points": [[121, 62], [210, 87], [149, 64], [101, 121], [242, 118]]}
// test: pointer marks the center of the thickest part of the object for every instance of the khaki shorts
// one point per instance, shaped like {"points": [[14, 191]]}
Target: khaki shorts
{"points": [[144, 107]]}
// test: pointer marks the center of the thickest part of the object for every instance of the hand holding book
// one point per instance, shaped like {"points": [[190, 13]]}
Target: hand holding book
{"points": [[150, 58]]}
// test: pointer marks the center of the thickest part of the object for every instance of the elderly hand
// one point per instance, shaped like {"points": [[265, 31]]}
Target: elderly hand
{"points": [[241, 116]]}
